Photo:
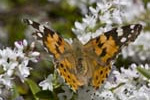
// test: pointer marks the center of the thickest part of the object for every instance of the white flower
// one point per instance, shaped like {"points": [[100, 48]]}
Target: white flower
{"points": [[8, 60], [93, 10], [104, 6], [20, 45], [7, 54], [47, 84], [23, 70], [14, 62], [106, 18], [141, 94], [125, 91], [116, 16], [84, 39], [6, 80], [89, 21], [80, 26], [11, 66], [106, 95]]}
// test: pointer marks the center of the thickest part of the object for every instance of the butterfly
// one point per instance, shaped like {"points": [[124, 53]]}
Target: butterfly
{"points": [[88, 64]]}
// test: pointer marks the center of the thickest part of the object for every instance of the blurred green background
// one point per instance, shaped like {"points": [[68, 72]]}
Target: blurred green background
{"points": [[59, 15]]}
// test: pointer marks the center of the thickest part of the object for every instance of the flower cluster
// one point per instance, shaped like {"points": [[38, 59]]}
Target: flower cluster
{"points": [[14, 62], [140, 49], [128, 84], [105, 15]]}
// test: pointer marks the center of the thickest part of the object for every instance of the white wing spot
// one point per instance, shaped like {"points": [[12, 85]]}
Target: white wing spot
{"points": [[132, 31], [132, 26], [40, 35], [30, 22], [119, 31], [123, 39], [41, 28]]}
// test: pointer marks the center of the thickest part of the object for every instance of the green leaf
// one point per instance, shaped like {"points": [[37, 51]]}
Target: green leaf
{"points": [[119, 85], [34, 87], [15, 92], [45, 94], [144, 72]]}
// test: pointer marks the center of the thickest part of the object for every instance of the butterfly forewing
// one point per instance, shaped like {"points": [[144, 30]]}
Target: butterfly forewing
{"points": [[107, 45], [52, 41]]}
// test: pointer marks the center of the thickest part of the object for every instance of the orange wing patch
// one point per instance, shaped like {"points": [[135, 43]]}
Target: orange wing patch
{"points": [[54, 44], [103, 47], [64, 69], [100, 75]]}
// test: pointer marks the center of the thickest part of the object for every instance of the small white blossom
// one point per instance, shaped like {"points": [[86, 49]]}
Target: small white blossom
{"points": [[21, 44], [47, 84], [6, 80], [23, 70], [79, 26]]}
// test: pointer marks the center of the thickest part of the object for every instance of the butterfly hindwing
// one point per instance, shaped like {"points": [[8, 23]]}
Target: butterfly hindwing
{"points": [[100, 75], [66, 71]]}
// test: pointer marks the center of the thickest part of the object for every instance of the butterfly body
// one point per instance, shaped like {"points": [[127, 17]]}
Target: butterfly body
{"points": [[79, 62], [88, 64]]}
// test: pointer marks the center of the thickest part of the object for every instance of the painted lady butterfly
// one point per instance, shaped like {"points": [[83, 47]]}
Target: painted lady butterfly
{"points": [[80, 64]]}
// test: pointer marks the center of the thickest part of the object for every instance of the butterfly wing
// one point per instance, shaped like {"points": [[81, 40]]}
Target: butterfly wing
{"points": [[107, 46], [51, 40], [57, 47], [65, 69]]}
